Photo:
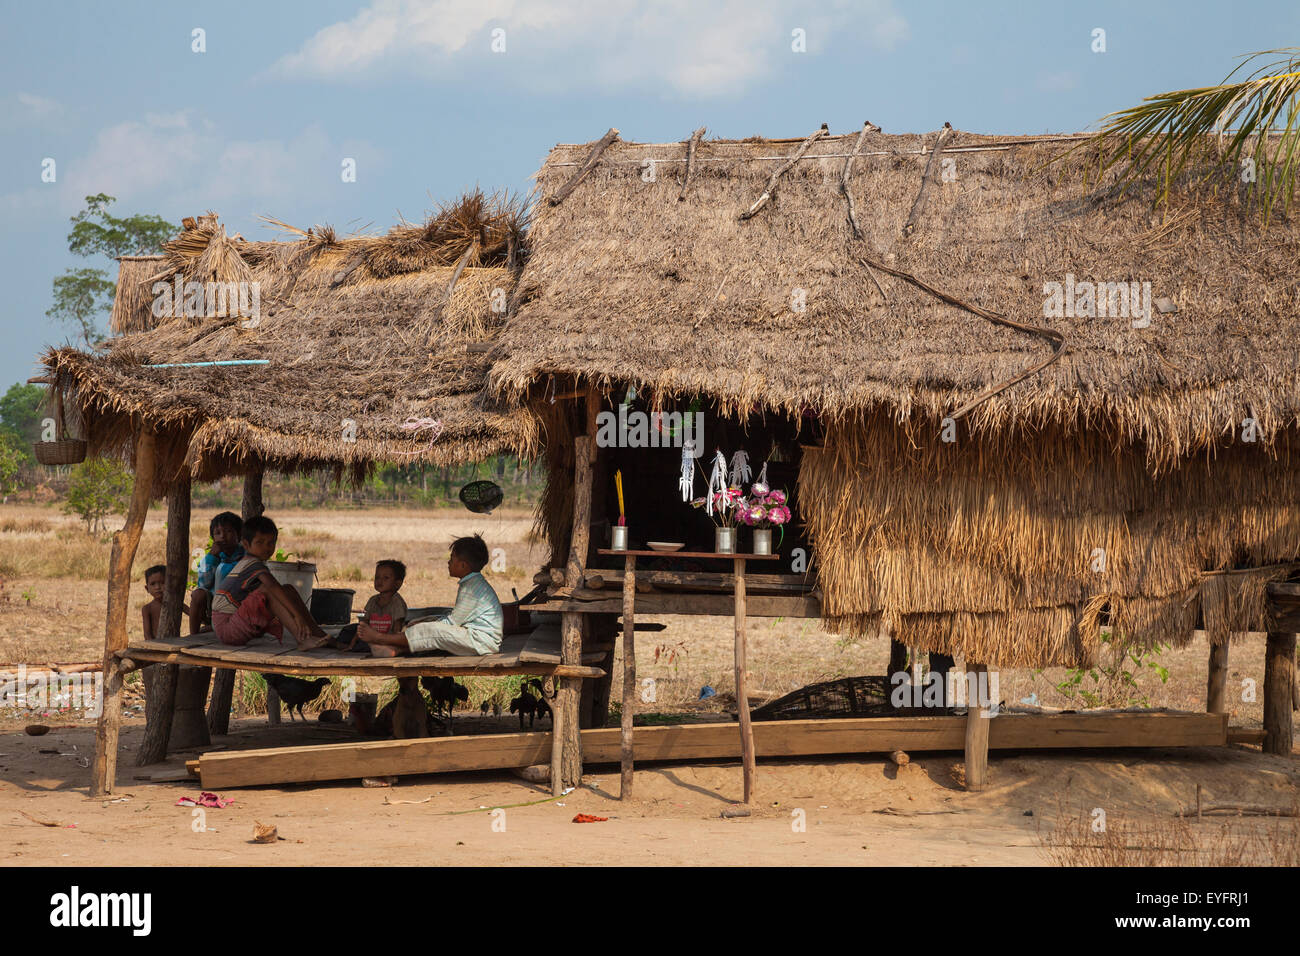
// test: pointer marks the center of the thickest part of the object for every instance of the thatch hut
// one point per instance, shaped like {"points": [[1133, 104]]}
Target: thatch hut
{"points": [[1031, 413], [235, 357]]}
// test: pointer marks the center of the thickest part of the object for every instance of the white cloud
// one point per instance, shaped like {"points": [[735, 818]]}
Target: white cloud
{"points": [[684, 45]]}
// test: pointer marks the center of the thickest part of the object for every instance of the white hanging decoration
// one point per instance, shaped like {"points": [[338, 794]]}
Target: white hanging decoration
{"points": [[687, 481], [760, 487], [740, 472], [718, 480]]}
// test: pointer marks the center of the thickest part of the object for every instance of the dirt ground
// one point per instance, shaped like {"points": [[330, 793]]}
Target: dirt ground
{"points": [[855, 810]]}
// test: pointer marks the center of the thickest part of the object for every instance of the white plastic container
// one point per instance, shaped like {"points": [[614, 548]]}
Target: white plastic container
{"points": [[299, 575]]}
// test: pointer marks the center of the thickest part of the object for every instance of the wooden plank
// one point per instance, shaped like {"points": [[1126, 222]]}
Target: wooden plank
{"points": [[600, 578], [778, 738], [717, 605], [715, 555], [1246, 735]]}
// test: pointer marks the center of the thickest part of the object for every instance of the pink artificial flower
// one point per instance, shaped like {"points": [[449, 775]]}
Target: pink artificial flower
{"points": [[776, 497], [779, 515], [755, 513]]}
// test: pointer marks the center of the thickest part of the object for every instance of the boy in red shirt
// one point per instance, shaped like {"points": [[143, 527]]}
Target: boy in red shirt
{"points": [[249, 601]]}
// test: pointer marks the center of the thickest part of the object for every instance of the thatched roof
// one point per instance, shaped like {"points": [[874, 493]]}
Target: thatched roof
{"points": [[629, 282], [357, 329]]}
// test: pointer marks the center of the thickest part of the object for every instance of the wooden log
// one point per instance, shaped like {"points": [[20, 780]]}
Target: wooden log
{"points": [[977, 738], [918, 206], [690, 161], [189, 728], [122, 557], [688, 742], [160, 679], [1216, 684], [867, 127], [566, 761], [1279, 677], [629, 678], [742, 695], [587, 167], [770, 189]]}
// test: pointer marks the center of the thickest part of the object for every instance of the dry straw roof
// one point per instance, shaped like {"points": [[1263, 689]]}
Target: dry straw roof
{"points": [[633, 278], [358, 329]]}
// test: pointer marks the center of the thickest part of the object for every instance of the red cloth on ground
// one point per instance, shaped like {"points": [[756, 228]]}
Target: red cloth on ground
{"points": [[253, 618]]}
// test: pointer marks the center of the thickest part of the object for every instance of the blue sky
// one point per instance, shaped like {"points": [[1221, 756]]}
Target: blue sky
{"points": [[261, 122]]}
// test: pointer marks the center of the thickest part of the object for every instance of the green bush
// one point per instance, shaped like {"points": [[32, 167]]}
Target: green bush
{"points": [[98, 487]]}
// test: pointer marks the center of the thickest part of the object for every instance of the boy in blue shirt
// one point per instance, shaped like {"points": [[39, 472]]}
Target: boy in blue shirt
{"points": [[226, 551]]}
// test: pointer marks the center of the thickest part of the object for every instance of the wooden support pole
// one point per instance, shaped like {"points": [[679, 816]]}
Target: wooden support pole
{"points": [[603, 630], [1279, 678], [592, 158], [566, 757], [125, 542], [160, 679], [742, 695], [977, 734], [1216, 684], [223, 682], [629, 678]]}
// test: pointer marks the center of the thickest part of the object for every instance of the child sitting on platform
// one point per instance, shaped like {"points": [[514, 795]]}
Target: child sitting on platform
{"points": [[249, 601], [154, 580], [226, 529], [472, 628], [385, 611]]}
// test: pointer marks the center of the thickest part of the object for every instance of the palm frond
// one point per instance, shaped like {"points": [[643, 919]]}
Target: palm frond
{"points": [[1247, 129]]}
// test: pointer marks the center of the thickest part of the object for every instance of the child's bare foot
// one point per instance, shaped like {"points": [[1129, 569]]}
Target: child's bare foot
{"points": [[313, 641], [382, 650]]}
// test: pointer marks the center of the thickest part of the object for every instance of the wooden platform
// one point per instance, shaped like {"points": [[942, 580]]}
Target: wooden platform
{"points": [[778, 738], [536, 652]]}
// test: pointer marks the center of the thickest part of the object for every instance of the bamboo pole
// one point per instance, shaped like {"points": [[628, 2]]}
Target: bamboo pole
{"points": [[1279, 677], [742, 697], [160, 679], [125, 543], [629, 677]]}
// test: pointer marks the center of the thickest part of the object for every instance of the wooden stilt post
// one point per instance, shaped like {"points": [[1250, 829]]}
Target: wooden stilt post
{"points": [[223, 682], [742, 695], [977, 734], [566, 755], [1216, 684], [1279, 678], [125, 542], [603, 629], [629, 678], [160, 679]]}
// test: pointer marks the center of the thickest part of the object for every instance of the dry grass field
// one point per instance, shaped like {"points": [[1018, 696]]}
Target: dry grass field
{"points": [[1037, 810]]}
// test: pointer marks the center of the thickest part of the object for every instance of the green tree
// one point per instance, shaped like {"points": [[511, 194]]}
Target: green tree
{"points": [[11, 460], [1246, 128], [97, 488], [20, 418], [82, 295]]}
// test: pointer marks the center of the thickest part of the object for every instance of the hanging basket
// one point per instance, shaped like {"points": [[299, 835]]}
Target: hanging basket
{"points": [[65, 451], [481, 497]]}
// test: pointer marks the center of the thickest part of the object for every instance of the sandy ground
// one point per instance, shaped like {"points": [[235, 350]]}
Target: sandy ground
{"points": [[927, 818], [675, 816]]}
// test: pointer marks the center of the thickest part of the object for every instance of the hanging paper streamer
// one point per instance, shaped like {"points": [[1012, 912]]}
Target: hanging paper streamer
{"points": [[718, 481], [760, 487], [740, 472], [687, 481]]}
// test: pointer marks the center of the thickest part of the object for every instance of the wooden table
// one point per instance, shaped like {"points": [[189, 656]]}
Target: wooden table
{"points": [[629, 656]]}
